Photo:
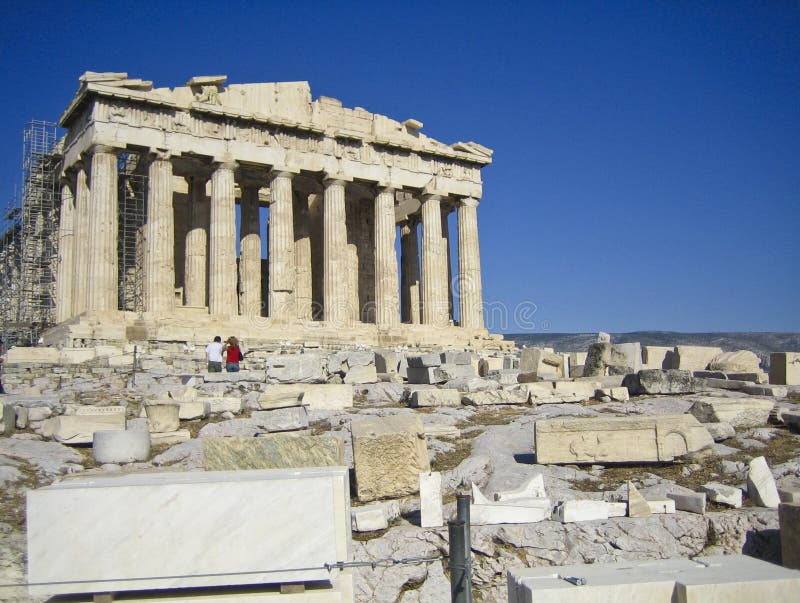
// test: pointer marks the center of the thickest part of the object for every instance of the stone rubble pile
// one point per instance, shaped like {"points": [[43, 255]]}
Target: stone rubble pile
{"points": [[527, 436]]}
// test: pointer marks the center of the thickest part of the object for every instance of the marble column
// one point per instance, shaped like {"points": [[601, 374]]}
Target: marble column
{"points": [[196, 269], [222, 299], [281, 249], [409, 258], [434, 268], [80, 270], [302, 258], [336, 295], [102, 277], [447, 259], [387, 304], [159, 268], [66, 253], [250, 252], [470, 290]]}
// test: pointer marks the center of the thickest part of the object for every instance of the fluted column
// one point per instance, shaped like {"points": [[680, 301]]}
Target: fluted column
{"points": [[250, 253], [409, 259], [159, 235], [222, 242], [470, 290], [102, 275], [66, 253], [281, 248], [446, 254], [302, 259], [196, 267], [387, 304], [434, 269], [80, 270], [336, 299]]}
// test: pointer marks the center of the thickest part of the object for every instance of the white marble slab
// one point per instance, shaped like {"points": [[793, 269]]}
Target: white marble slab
{"points": [[179, 530], [730, 578], [430, 495]]}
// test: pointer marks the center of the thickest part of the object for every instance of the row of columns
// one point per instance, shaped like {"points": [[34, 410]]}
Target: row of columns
{"points": [[87, 275]]}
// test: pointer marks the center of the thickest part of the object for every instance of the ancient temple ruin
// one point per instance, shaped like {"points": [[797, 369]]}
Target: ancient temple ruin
{"points": [[151, 244]]}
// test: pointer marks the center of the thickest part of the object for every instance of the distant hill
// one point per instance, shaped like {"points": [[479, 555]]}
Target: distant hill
{"points": [[759, 343]]}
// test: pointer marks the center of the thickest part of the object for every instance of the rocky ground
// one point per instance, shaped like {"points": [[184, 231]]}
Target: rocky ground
{"points": [[494, 449]]}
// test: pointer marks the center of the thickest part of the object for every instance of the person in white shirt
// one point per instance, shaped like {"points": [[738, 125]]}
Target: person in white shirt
{"points": [[214, 355]]}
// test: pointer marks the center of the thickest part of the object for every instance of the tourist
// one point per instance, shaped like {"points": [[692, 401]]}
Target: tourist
{"points": [[214, 355], [233, 355]]}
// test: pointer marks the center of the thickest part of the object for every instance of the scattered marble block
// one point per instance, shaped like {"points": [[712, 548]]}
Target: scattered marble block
{"points": [[79, 429], [120, 446], [369, 518], [617, 509], [499, 513], [654, 381], [32, 355], [741, 361], [281, 395], [618, 394], [694, 357], [281, 419], [294, 368], [389, 454], [618, 439], [223, 404], [661, 507], [693, 503], [490, 364], [328, 396], [361, 374], [533, 488], [654, 356], [498, 396], [739, 412], [170, 438], [789, 515], [163, 417], [425, 360], [456, 357], [430, 495], [789, 494], [570, 511], [127, 526], [435, 397], [387, 361], [9, 418], [784, 368], [504, 376], [761, 485], [729, 579], [722, 494], [272, 451], [637, 505], [192, 410], [720, 431]]}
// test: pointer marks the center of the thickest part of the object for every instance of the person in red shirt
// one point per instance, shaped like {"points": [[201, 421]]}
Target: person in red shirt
{"points": [[233, 354]]}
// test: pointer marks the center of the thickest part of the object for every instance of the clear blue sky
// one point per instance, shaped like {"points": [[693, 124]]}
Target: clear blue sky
{"points": [[647, 154]]}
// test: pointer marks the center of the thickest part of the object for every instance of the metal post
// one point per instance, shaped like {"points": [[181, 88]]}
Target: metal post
{"points": [[133, 374], [460, 553]]}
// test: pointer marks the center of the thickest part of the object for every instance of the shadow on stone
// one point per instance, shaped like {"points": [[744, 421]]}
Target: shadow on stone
{"points": [[526, 458], [764, 545]]}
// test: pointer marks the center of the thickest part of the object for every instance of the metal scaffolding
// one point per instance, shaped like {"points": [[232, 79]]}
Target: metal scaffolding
{"points": [[132, 216], [29, 240]]}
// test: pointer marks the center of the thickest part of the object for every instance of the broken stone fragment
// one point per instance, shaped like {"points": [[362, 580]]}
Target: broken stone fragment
{"points": [[761, 485]]}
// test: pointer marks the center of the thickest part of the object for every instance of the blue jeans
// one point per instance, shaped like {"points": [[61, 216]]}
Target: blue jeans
{"points": [[232, 367]]}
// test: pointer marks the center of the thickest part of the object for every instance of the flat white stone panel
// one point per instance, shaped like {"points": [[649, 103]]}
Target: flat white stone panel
{"points": [[178, 530]]}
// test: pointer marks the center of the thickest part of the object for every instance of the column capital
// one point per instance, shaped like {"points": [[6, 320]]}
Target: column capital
{"points": [[159, 155], [329, 179], [277, 172], [225, 164], [103, 148], [468, 202]]}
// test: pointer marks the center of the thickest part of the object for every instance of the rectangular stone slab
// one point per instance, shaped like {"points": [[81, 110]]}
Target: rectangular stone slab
{"points": [[181, 530], [618, 439], [272, 451], [730, 578]]}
